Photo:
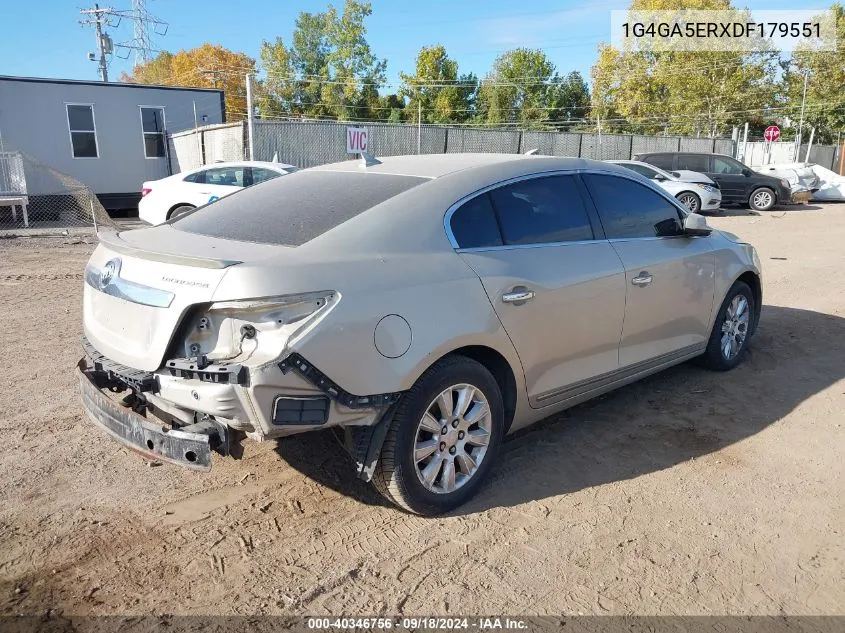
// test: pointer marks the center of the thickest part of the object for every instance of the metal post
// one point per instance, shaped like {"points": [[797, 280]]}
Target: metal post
{"points": [[842, 159], [745, 144], [197, 134], [249, 117], [598, 147], [419, 126], [809, 146], [801, 123]]}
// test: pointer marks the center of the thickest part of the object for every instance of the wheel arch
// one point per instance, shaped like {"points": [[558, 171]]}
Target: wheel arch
{"points": [[177, 205], [752, 279], [496, 363]]}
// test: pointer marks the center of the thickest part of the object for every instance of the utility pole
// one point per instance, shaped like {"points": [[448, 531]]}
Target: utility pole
{"points": [[142, 23], [104, 42], [419, 126]]}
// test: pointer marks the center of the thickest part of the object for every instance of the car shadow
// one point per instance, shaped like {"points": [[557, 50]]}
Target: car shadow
{"points": [[682, 413]]}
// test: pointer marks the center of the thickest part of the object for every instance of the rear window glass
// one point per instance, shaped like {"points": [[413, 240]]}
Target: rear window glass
{"points": [[295, 209]]}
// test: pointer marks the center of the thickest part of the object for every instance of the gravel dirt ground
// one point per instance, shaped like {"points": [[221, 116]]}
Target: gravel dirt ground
{"points": [[688, 493]]}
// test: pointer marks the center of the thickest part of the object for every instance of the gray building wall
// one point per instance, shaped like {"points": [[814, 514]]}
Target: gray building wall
{"points": [[33, 119]]}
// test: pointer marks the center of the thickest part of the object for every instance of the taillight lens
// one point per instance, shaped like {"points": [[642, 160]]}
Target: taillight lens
{"points": [[145, 191]]}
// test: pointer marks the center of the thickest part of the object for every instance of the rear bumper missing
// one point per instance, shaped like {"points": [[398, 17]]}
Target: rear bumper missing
{"points": [[153, 440]]}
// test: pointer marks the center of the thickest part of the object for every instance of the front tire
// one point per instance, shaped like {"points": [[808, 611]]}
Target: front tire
{"points": [[762, 199], [690, 200], [731, 330], [443, 438]]}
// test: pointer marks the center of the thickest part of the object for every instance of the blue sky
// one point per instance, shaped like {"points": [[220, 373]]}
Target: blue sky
{"points": [[47, 40]]}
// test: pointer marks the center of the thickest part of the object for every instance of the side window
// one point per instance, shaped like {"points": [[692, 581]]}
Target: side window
{"points": [[152, 127], [227, 176], [541, 211], [83, 131], [664, 161], [474, 224], [640, 169], [259, 174], [198, 178], [629, 209], [725, 166], [694, 162]]}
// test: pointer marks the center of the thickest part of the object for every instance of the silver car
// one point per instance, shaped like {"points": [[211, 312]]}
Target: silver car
{"points": [[420, 306]]}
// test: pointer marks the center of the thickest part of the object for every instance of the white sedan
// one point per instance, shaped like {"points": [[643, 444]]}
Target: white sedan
{"points": [[169, 197], [695, 191]]}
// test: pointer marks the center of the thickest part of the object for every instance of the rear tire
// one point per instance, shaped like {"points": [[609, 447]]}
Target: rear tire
{"points": [[762, 199], [182, 209], [432, 462], [732, 329]]}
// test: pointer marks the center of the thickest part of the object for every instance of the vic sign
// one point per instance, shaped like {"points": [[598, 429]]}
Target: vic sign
{"points": [[356, 140], [772, 133]]}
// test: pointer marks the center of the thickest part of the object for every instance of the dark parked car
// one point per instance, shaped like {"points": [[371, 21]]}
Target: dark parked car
{"points": [[739, 184]]}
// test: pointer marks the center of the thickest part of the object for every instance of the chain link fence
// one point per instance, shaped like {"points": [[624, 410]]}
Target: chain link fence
{"points": [[37, 199], [310, 143]]}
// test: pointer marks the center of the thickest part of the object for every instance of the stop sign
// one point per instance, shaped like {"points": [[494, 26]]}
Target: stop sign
{"points": [[772, 133]]}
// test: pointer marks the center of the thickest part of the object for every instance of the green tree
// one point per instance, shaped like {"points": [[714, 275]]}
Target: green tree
{"points": [[825, 72], [329, 68], [702, 92], [436, 90], [523, 87]]}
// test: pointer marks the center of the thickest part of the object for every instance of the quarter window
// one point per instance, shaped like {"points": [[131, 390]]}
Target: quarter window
{"points": [[541, 211], [629, 209], [152, 126], [694, 162], [474, 224], [83, 132]]}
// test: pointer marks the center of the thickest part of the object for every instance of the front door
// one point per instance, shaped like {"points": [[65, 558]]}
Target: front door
{"points": [[669, 277], [728, 173], [559, 293]]}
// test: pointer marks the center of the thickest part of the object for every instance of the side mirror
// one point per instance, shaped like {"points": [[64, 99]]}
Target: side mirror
{"points": [[747, 172], [695, 224], [659, 177]]}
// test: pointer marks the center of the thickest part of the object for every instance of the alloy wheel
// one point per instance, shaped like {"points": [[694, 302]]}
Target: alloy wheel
{"points": [[735, 327], [763, 199], [452, 438], [690, 201]]}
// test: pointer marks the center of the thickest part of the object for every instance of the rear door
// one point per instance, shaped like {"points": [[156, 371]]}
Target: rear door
{"points": [[669, 276], [557, 286]]}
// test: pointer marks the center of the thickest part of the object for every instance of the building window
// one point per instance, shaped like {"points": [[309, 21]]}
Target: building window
{"points": [[152, 124], [83, 132]]}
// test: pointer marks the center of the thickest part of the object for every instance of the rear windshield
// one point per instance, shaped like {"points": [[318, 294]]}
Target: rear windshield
{"points": [[294, 209]]}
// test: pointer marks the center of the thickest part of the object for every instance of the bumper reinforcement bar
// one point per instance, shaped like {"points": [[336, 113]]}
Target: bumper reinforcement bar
{"points": [[188, 446]]}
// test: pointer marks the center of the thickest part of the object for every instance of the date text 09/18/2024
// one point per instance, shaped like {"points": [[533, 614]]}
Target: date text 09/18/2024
{"points": [[418, 623]]}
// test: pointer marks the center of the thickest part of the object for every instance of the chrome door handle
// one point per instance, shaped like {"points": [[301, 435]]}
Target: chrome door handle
{"points": [[518, 296], [643, 279]]}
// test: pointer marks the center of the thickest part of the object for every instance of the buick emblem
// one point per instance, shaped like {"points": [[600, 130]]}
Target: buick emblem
{"points": [[109, 272]]}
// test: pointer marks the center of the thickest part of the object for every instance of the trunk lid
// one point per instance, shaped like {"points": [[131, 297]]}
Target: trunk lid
{"points": [[139, 285]]}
